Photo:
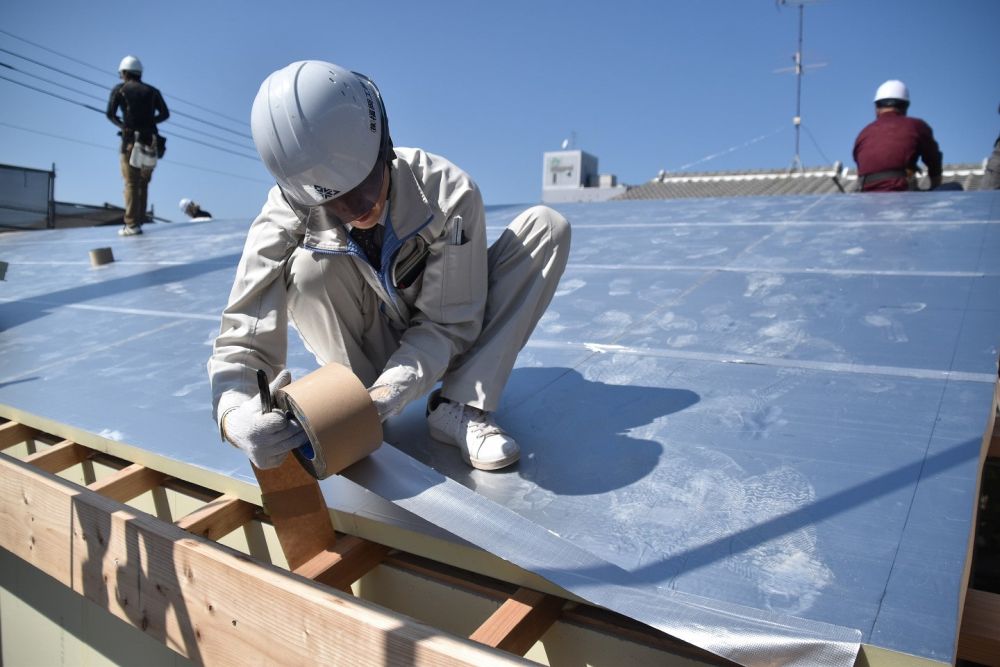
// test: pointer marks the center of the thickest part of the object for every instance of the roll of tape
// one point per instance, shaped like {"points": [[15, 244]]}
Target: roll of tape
{"points": [[100, 256], [338, 416]]}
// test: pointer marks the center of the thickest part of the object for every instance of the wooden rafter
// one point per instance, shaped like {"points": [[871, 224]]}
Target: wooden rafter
{"points": [[128, 483], [520, 621], [343, 563], [59, 456], [14, 433], [218, 518]]}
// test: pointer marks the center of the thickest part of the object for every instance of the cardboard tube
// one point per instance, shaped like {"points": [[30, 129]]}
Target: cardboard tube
{"points": [[338, 416], [100, 256]]}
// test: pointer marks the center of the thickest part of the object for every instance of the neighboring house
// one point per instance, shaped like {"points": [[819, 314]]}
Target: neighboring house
{"points": [[27, 201], [758, 182]]}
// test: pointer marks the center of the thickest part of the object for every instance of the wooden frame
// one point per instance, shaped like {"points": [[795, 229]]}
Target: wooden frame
{"points": [[201, 599]]}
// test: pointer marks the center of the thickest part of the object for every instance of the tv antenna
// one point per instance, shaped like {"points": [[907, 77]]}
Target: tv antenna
{"points": [[799, 70]]}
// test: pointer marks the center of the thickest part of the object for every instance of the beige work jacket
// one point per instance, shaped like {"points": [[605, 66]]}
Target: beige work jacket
{"points": [[432, 204]]}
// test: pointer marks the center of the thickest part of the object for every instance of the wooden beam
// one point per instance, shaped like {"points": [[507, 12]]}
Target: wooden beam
{"points": [[343, 563], [979, 638], [520, 621], [204, 601], [218, 518], [451, 576], [14, 433], [128, 483], [592, 618], [58, 457], [298, 511]]}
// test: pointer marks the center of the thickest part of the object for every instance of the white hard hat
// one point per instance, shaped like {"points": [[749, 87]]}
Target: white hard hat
{"points": [[184, 203], [319, 128], [130, 64], [892, 90]]}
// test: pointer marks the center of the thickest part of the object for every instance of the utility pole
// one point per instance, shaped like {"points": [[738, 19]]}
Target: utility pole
{"points": [[799, 71]]}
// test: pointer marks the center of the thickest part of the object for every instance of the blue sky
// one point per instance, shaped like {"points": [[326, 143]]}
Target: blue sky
{"points": [[643, 85]]}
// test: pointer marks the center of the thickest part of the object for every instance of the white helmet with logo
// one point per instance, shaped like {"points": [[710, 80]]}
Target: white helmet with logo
{"points": [[892, 90], [130, 64], [320, 129]]}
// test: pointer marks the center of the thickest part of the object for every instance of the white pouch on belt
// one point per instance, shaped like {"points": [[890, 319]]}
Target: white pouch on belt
{"points": [[142, 156]]}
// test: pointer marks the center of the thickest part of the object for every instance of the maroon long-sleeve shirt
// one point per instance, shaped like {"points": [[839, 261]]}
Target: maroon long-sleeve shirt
{"points": [[894, 142]]}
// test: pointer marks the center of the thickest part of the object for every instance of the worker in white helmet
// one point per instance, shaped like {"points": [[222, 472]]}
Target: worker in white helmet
{"points": [[142, 109], [887, 150], [378, 256], [193, 209]]}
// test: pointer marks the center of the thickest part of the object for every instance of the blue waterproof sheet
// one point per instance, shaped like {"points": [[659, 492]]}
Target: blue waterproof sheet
{"points": [[777, 403]]}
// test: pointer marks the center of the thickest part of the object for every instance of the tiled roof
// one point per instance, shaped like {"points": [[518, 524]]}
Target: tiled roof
{"points": [[809, 181]]}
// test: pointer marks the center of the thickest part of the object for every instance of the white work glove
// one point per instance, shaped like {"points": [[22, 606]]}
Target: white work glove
{"points": [[387, 399], [265, 437]]}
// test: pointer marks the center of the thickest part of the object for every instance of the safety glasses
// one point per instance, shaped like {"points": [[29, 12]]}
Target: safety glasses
{"points": [[359, 201]]}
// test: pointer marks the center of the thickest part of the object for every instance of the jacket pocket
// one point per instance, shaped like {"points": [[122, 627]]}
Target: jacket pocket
{"points": [[457, 277]]}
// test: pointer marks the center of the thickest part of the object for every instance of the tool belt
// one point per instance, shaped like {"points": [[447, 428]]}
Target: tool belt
{"points": [[886, 175]]}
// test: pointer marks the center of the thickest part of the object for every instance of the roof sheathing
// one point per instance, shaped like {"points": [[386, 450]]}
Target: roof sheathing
{"points": [[777, 403]]}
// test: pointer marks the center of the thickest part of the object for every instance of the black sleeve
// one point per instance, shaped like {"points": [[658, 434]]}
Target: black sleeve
{"points": [[161, 112], [115, 103]]}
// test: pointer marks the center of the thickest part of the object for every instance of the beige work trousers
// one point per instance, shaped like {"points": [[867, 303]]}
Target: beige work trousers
{"points": [[136, 190], [525, 265]]}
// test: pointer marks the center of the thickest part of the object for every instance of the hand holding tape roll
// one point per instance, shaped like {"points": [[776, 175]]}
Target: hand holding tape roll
{"points": [[264, 435], [338, 416]]}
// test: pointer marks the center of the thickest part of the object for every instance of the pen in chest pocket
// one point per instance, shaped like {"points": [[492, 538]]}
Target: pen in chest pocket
{"points": [[456, 230]]}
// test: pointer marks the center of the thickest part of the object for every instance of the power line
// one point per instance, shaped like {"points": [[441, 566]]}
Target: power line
{"points": [[102, 112], [198, 106], [46, 92], [207, 134], [104, 87], [255, 158], [45, 48], [54, 69], [57, 136], [109, 148], [207, 122], [54, 83], [103, 71]]}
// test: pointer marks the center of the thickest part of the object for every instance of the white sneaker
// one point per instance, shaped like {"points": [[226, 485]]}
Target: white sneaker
{"points": [[483, 444], [130, 231]]}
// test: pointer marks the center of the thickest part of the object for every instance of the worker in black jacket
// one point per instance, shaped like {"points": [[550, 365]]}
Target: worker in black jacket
{"points": [[142, 108]]}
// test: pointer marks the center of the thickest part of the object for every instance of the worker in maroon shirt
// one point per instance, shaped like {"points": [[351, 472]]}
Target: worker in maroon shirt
{"points": [[887, 150]]}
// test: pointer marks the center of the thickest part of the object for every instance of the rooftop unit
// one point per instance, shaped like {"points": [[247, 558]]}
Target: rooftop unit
{"points": [[572, 176]]}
